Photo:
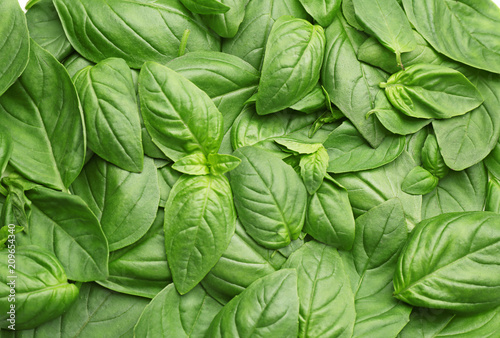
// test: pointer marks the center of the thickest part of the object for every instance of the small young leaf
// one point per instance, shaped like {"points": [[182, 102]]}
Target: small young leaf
{"points": [[419, 182], [220, 163], [432, 159], [195, 164], [313, 169]]}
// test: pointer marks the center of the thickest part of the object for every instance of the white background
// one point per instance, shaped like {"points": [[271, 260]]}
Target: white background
{"points": [[23, 2]]}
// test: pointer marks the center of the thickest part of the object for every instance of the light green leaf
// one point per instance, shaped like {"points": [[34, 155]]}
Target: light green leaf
{"points": [[322, 11], [205, 6], [226, 24], [195, 164], [5, 151], [493, 197], [350, 15], [313, 169], [432, 160], [220, 164], [298, 147], [313, 101], [419, 182]]}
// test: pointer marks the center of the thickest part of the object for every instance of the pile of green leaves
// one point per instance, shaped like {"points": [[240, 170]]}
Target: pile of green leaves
{"points": [[262, 168]]}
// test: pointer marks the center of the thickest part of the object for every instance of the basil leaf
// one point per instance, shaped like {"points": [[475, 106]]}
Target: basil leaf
{"points": [[199, 223], [75, 62], [205, 6], [221, 164], [41, 277], [493, 197], [350, 15], [464, 30], [166, 180], [380, 234], [243, 262], [188, 315], [111, 28], [435, 282], [5, 151], [324, 292], [125, 203], [172, 113], [355, 94], [312, 102], [250, 41], [492, 162], [322, 11], [111, 114], [348, 151], [298, 147], [15, 44], [64, 225], [226, 24], [269, 196], [268, 307], [50, 143], [424, 91], [46, 29], [386, 20], [432, 159], [281, 83], [313, 169], [458, 191], [195, 164], [419, 182], [140, 269]]}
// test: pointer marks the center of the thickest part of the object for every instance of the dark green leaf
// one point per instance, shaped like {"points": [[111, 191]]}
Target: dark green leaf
{"points": [[313, 101]]}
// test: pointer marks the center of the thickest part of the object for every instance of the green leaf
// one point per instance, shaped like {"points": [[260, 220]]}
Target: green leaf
{"points": [[205, 6], [348, 151], [419, 182], [355, 94], [350, 15], [424, 91], [329, 217], [268, 307], [367, 189], [195, 164], [298, 147], [386, 20], [226, 24], [415, 143], [380, 234], [64, 225], [5, 151], [172, 108], [49, 147], [492, 162], [7, 230], [313, 169], [322, 11], [14, 39], [249, 43], [188, 315], [17, 207], [325, 296], [432, 272], [464, 30], [166, 180], [312, 102], [243, 262], [221, 164], [432, 160], [458, 191], [42, 291], [125, 203], [269, 196], [112, 28], [294, 47], [199, 223], [46, 29], [140, 269], [493, 197], [108, 99], [75, 62]]}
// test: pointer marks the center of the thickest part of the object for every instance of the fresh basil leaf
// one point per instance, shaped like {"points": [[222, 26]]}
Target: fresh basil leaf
{"points": [[199, 223], [268, 307], [243, 262], [313, 169], [6, 146], [111, 114], [432, 160], [462, 277], [282, 83], [250, 41], [140, 269], [322, 11], [221, 164], [493, 197], [415, 143], [324, 292], [329, 217], [195, 164], [312, 102], [188, 315], [370, 188], [125, 203], [111, 28], [424, 91], [49, 147], [269, 196], [46, 29], [172, 107], [386, 20], [42, 291], [464, 30], [298, 147], [5, 231], [355, 94], [350, 15], [75, 62], [380, 234], [419, 182], [205, 6], [166, 180], [458, 191], [15, 43], [348, 151], [226, 24], [17, 207]]}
